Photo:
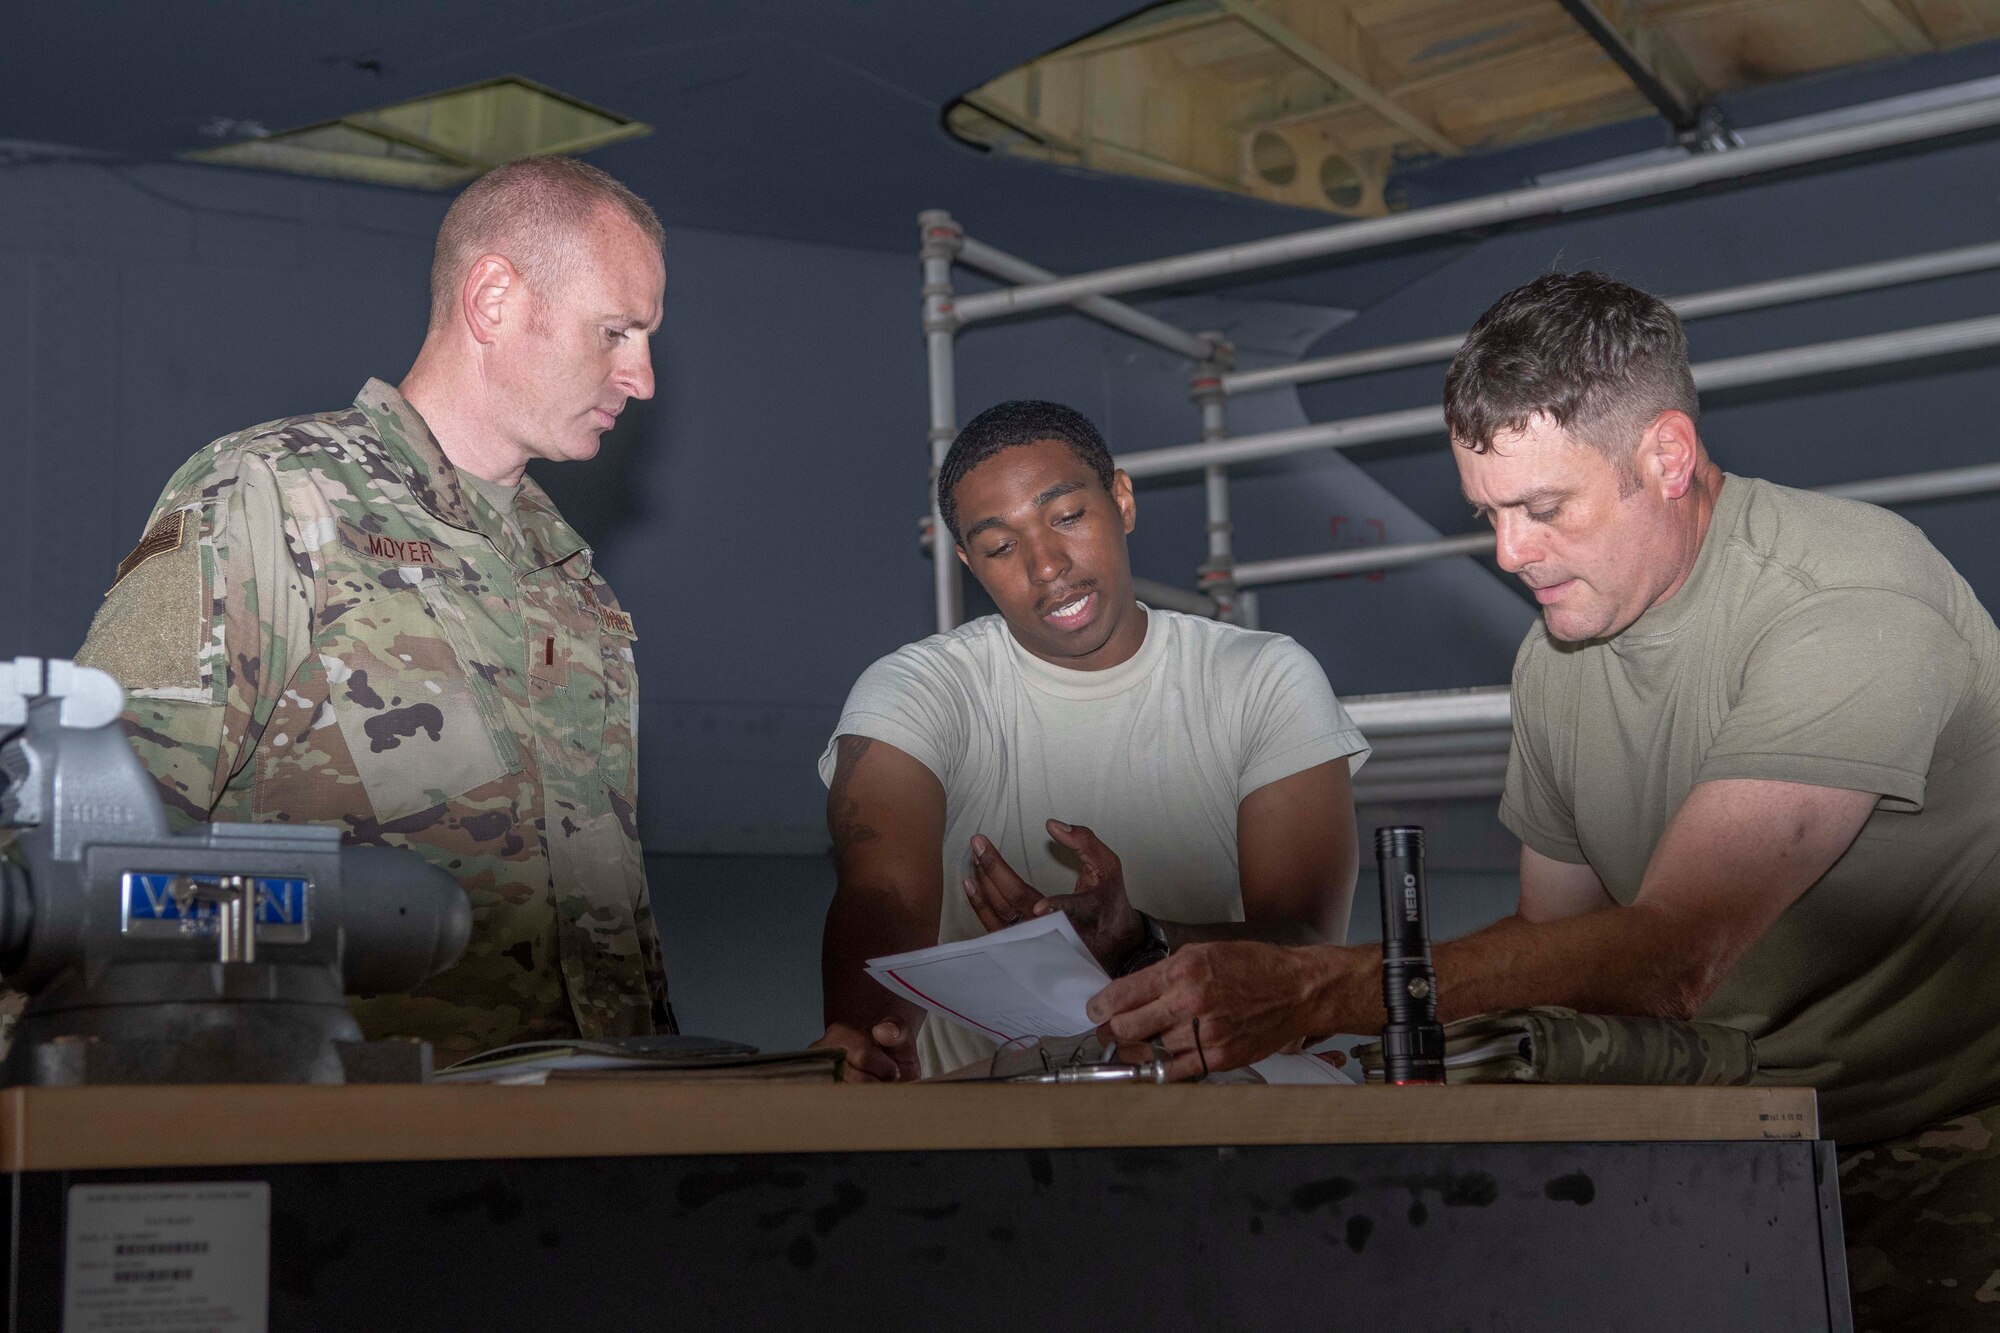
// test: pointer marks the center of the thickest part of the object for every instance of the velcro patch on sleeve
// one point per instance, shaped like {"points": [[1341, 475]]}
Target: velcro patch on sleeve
{"points": [[150, 631], [164, 536]]}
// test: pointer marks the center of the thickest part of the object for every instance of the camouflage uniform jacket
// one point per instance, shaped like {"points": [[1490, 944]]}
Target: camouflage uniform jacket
{"points": [[323, 624]]}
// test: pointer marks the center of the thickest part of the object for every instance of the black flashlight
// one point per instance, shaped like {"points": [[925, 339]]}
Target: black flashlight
{"points": [[1412, 1039]]}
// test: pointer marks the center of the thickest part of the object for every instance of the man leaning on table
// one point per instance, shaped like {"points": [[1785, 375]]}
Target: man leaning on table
{"points": [[1755, 775]]}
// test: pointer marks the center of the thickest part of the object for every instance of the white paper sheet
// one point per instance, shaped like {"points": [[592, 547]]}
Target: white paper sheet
{"points": [[1300, 1068], [1031, 980]]}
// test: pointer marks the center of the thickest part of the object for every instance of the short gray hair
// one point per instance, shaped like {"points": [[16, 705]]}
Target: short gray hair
{"points": [[532, 212]]}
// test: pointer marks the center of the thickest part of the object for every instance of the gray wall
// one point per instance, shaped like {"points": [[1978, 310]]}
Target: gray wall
{"points": [[144, 312]]}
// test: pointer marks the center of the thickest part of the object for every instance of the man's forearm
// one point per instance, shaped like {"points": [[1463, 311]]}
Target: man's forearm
{"points": [[1624, 960], [1637, 959], [1280, 931], [860, 926]]}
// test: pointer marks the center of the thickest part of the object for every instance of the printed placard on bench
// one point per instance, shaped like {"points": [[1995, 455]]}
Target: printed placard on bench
{"points": [[191, 1258]]}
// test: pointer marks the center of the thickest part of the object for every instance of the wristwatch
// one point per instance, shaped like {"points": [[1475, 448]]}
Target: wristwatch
{"points": [[1151, 948]]}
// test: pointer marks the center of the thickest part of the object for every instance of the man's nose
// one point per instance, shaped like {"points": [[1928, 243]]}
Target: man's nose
{"points": [[1514, 546], [635, 378], [1048, 560]]}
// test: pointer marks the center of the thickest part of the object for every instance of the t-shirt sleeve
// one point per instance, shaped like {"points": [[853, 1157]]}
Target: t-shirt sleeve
{"points": [[1848, 688], [911, 702], [1532, 804], [1291, 719]]}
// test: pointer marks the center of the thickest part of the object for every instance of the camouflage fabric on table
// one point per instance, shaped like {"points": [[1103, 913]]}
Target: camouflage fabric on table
{"points": [[323, 624], [1922, 1217], [1047, 1055], [1551, 1044]]}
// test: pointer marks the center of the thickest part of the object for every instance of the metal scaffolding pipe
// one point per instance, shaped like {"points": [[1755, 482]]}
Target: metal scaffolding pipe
{"points": [[1365, 560], [1489, 740], [1723, 301], [940, 240], [1945, 484], [1429, 768], [1427, 712], [1445, 789], [979, 255], [1346, 434], [1510, 205], [1218, 570], [1364, 362], [1170, 598], [1215, 496], [1877, 349], [1839, 281]]}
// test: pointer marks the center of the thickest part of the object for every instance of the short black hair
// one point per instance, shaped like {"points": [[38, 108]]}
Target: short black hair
{"points": [[1599, 358], [1022, 421]]}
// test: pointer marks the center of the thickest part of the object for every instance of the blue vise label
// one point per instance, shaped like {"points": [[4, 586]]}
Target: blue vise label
{"points": [[165, 906]]}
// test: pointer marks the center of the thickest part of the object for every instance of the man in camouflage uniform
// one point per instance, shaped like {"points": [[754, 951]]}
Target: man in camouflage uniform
{"points": [[370, 618]]}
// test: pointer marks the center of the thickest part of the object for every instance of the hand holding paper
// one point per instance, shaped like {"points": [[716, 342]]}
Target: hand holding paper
{"points": [[1031, 981], [1023, 982]]}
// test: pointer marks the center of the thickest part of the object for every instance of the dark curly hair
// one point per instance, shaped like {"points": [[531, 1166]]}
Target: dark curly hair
{"points": [[1022, 421]]}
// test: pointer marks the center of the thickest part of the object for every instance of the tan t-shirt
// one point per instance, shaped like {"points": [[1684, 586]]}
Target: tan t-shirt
{"points": [[502, 498], [1154, 755], [1820, 641]]}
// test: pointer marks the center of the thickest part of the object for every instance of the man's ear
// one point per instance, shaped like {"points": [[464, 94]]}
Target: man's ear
{"points": [[958, 547], [1121, 495], [491, 291], [1671, 450]]}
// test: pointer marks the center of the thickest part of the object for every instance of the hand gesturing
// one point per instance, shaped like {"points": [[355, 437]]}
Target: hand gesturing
{"points": [[1104, 917]]}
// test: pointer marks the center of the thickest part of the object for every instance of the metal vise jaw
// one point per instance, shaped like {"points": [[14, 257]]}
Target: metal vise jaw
{"points": [[219, 955]]}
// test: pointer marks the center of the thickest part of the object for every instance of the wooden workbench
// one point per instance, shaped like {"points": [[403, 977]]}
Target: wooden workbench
{"points": [[619, 1204]]}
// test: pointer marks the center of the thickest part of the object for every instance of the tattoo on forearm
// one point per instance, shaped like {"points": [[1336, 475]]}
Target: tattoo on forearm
{"points": [[843, 811]]}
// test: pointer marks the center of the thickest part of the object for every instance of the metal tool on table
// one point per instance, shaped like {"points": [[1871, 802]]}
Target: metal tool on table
{"points": [[1412, 1039], [1146, 1071], [219, 955]]}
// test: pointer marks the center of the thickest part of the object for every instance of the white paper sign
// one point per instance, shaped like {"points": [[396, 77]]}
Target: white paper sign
{"points": [[192, 1258]]}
